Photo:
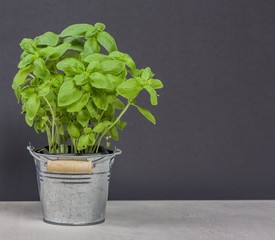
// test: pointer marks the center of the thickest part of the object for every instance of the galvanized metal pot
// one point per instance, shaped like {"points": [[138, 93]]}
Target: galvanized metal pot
{"points": [[70, 198]]}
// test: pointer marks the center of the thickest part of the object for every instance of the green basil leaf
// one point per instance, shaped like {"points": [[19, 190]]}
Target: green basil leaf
{"points": [[100, 99], [41, 113], [91, 138], [40, 69], [111, 96], [136, 72], [79, 104], [45, 118], [92, 109], [100, 26], [153, 94], [26, 60], [142, 81], [129, 88], [118, 104], [107, 41], [75, 43], [24, 54], [28, 45], [92, 32], [124, 58], [147, 73], [20, 78], [73, 130], [57, 81], [27, 91], [68, 94], [121, 124], [99, 80], [93, 66], [41, 124], [70, 54], [46, 52], [83, 142], [61, 131], [109, 113], [32, 106], [51, 97], [116, 80], [147, 114], [70, 66], [43, 89], [90, 46], [155, 83], [123, 74], [96, 57], [114, 133], [83, 118], [37, 126], [99, 127], [59, 51], [48, 38], [81, 79], [28, 120], [87, 130], [87, 87], [76, 30], [111, 66]]}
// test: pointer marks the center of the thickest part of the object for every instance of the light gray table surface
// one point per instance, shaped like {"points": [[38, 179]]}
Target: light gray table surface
{"points": [[238, 220]]}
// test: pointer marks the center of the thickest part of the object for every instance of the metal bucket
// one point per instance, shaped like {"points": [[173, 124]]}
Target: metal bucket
{"points": [[70, 198]]}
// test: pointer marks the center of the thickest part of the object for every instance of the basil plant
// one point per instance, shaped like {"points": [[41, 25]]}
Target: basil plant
{"points": [[76, 86]]}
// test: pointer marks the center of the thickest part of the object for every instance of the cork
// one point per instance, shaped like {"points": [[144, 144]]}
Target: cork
{"points": [[69, 166]]}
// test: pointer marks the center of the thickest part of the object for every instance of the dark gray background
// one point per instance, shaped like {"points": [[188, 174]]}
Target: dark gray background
{"points": [[215, 136]]}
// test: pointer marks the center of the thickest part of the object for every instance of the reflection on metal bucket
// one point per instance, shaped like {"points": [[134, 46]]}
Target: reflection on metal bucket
{"points": [[70, 198]]}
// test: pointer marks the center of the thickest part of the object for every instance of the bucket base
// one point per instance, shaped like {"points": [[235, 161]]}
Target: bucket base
{"points": [[71, 224]]}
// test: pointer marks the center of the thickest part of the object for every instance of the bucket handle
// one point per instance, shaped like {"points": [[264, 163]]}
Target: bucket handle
{"points": [[117, 152], [31, 148]]}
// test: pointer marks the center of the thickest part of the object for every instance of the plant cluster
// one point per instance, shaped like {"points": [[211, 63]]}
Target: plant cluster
{"points": [[76, 86]]}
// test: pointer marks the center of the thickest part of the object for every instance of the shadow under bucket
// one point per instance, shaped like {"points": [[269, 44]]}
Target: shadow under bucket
{"points": [[73, 188]]}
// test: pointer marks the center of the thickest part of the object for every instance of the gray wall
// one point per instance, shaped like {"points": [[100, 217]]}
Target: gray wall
{"points": [[215, 137]]}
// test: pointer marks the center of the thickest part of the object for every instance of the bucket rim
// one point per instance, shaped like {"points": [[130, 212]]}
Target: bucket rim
{"points": [[96, 156]]}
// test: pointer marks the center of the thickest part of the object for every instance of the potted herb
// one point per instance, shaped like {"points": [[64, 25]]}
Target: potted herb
{"points": [[76, 87]]}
